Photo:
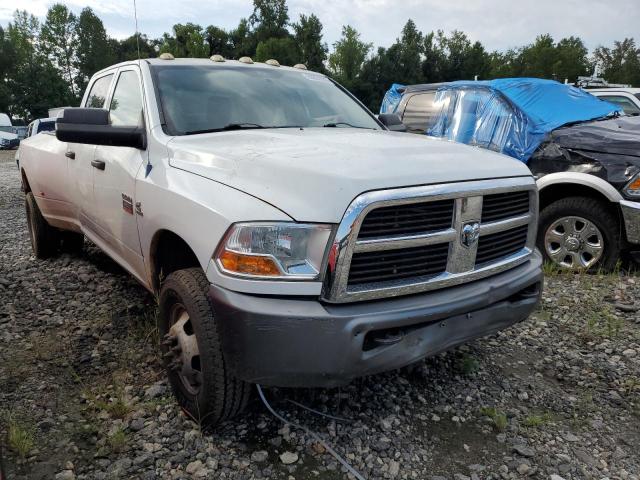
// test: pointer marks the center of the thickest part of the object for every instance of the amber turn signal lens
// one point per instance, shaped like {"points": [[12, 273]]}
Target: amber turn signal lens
{"points": [[635, 185], [248, 264]]}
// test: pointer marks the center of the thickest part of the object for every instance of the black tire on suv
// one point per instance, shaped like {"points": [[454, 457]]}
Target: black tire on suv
{"points": [[579, 233], [193, 352], [45, 239]]}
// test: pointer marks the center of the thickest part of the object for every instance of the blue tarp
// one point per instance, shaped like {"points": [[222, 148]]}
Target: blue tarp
{"points": [[510, 115], [391, 99]]}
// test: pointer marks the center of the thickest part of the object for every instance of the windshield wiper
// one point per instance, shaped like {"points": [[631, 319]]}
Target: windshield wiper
{"points": [[335, 124], [231, 126]]}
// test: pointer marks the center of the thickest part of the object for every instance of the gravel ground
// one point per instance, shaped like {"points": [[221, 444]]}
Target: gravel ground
{"points": [[82, 390]]}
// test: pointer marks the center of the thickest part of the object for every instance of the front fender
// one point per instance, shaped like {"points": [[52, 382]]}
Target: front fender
{"points": [[585, 179]]}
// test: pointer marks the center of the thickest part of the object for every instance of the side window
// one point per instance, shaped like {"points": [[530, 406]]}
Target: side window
{"points": [[626, 104], [98, 93], [420, 112], [126, 104]]}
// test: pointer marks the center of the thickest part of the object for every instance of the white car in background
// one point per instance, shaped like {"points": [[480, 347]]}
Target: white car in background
{"points": [[627, 98], [8, 139]]}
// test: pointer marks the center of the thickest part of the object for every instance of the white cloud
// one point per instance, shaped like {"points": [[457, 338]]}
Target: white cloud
{"points": [[498, 24]]}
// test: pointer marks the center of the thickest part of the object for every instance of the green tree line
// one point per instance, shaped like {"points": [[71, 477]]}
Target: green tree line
{"points": [[48, 64]]}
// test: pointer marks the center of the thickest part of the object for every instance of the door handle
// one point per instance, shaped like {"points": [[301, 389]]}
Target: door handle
{"points": [[71, 155], [99, 164]]}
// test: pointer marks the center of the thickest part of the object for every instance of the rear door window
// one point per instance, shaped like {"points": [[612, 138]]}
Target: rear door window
{"points": [[126, 105], [420, 112], [99, 91]]}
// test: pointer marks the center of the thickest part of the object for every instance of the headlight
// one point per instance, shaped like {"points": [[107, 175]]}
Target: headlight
{"points": [[632, 188], [287, 251]]}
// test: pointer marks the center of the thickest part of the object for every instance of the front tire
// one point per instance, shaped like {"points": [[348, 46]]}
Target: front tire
{"points": [[579, 233], [45, 239], [193, 353]]}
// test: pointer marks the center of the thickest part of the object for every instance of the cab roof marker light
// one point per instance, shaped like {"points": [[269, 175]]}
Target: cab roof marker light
{"points": [[246, 60], [216, 58], [272, 62], [166, 56], [301, 66]]}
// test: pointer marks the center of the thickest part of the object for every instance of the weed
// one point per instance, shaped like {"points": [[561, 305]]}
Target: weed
{"points": [[498, 418], [467, 364], [117, 407], [20, 436], [538, 420], [117, 440]]}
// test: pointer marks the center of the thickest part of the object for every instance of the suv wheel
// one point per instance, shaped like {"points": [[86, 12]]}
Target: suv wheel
{"points": [[45, 239], [579, 233], [193, 352]]}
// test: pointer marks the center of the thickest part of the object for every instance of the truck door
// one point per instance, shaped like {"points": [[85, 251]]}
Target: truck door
{"points": [[114, 176], [80, 156]]}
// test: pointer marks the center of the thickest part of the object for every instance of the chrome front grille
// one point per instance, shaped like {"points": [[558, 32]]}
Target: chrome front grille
{"points": [[386, 265], [403, 241], [407, 219]]}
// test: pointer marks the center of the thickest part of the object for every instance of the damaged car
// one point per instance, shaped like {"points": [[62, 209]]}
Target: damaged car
{"points": [[584, 153]]}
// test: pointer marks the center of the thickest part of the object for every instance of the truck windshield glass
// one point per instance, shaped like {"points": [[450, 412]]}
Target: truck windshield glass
{"points": [[197, 99]]}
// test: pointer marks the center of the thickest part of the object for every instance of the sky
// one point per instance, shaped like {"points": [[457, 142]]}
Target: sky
{"points": [[498, 24]]}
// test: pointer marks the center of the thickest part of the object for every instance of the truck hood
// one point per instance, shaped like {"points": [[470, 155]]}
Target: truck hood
{"points": [[618, 136], [313, 174]]}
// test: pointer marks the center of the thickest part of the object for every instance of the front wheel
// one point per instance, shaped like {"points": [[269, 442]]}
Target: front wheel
{"points": [[193, 352], [579, 233]]}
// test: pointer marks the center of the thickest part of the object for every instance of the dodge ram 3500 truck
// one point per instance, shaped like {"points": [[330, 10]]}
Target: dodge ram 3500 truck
{"points": [[291, 238]]}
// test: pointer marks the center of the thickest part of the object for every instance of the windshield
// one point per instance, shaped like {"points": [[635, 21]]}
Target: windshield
{"points": [[6, 129], [196, 99]]}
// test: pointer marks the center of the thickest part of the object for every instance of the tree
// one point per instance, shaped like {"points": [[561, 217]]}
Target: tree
{"points": [[7, 66], [243, 41], [620, 64], [434, 65], [219, 41], [269, 19], [128, 48], [349, 53], [59, 41], [405, 54], [95, 52], [284, 50], [30, 70], [187, 41], [571, 59], [308, 38]]}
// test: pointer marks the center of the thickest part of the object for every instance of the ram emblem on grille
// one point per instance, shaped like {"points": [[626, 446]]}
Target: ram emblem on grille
{"points": [[470, 234]]}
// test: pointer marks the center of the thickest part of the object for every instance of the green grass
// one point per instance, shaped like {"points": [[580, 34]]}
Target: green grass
{"points": [[498, 418], [117, 440], [20, 436], [467, 364], [538, 420]]}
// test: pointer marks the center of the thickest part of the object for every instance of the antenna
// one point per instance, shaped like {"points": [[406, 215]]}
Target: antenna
{"points": [[135, 15]]}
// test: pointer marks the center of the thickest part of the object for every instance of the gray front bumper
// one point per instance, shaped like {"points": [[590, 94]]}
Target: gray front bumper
{"points": [[631, 214], [291, 342]]}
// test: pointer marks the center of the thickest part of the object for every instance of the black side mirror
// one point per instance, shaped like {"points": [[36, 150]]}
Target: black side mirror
{"points": [[392, 121], [92, 126]]}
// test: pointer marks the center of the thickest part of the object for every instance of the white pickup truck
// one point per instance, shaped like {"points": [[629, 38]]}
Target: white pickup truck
{"points": [[291, 238]]}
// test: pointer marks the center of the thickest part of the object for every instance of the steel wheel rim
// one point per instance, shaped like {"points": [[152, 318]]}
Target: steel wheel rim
{"points": [[574, 242], [184, 354]]}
